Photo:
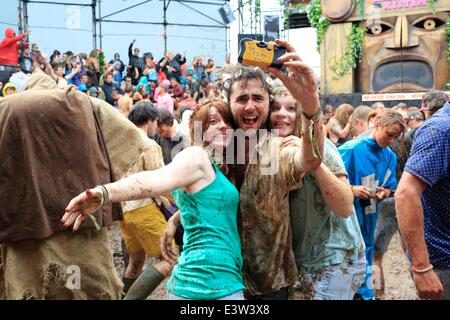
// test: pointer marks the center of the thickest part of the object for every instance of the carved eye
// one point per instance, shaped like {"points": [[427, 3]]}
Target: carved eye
{"points": [[429, 23], [376, 29]]}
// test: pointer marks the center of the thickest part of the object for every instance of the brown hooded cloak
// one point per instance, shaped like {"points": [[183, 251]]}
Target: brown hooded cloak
{"points": [[51, 149]]}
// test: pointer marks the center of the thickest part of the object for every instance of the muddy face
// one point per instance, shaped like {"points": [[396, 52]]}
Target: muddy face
{"points": [[404, 53]]}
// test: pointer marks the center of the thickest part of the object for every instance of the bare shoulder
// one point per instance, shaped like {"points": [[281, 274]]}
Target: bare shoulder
{"points": [[193, 163], [193, 156]]}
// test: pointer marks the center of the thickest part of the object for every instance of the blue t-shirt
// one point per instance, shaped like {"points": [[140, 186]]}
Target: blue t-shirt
{"points": [[82, 87], [371, 166], [429, 161]]}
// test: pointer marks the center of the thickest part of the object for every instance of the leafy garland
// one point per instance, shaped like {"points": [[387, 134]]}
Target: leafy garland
{"points": [[353, 49], [258, 9], [431, 4], [352, 53], [255, 8], [314, 12]]}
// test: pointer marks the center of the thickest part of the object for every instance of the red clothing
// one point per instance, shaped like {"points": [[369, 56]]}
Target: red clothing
{"points": [[177, 91], [9, 47]]}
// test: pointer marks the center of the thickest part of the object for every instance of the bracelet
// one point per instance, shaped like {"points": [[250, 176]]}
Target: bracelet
{"points": [[316, 116], [105, 194], [422, 270]]}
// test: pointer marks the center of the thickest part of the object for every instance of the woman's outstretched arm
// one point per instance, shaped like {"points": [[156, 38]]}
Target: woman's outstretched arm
{"points": [[186, 168]]}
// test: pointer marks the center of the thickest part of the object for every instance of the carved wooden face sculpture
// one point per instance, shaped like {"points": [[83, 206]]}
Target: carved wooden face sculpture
{"points": [[404, 53]]}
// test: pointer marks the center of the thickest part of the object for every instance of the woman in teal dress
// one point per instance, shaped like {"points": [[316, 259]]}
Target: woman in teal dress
{"points": [[210, 266]]}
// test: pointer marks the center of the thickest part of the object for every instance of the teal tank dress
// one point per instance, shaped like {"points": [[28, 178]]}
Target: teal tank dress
{"points": [[210, 266]]}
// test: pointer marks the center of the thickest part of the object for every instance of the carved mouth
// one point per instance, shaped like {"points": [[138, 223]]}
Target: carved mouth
{"points": [[403, 74]]}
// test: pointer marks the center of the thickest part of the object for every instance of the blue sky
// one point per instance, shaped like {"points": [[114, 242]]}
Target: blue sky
{"points": [[68, 28]]}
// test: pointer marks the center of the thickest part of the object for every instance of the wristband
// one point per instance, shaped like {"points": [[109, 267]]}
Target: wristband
{"points": [[429, 268], [315, 116], [314, 143]]}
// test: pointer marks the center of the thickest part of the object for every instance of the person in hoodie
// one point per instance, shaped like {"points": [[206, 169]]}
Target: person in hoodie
{"points": [[40, 260], [10, 45], [9, 89], [9, 53]]}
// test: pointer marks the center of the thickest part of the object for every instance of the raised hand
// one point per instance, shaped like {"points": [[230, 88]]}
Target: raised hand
{"points": [[81, 207], [301, 80]]}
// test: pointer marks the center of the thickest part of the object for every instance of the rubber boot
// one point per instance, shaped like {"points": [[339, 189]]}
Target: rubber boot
{"points": [[148, 281]]}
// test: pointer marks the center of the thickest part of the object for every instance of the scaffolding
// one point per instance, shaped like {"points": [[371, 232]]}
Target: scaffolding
{"points": [[98, 19]]}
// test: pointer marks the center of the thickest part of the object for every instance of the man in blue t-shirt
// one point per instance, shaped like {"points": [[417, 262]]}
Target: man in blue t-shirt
{"points": [[423, 206]]}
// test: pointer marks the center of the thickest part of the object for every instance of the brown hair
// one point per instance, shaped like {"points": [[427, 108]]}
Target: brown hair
{"points": [[244, 74], [362, 113], [390, 118], [93, 54], [203, 115], [434, 99], [343, 113], [283, 91]]}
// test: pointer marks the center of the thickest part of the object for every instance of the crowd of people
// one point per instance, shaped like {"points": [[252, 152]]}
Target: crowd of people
{"points": [[170, 82], [238, 179]]}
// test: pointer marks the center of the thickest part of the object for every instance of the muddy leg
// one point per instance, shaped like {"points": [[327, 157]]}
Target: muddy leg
{"points": [[134, 269], [149, 280], [378, 262]]}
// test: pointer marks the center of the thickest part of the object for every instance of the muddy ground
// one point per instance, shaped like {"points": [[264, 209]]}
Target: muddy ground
{"points": [[398, 282]]}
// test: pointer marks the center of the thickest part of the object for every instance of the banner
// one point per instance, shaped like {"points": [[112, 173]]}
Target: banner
{"points": [[271, 27]]}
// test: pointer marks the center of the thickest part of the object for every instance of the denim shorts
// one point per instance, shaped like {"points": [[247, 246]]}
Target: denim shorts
{"points": [[387, 225], [239, 295], [334, 282]]}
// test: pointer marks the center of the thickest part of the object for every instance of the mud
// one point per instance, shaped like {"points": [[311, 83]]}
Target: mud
{"points": [[398, 281]]}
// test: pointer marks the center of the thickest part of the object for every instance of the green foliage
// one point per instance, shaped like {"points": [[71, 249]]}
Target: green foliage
{"points": [[101, 60], [314, 11], [288, 11], [352, 53], [361, 8], [258, 9], [448, 38], [431, 4]]}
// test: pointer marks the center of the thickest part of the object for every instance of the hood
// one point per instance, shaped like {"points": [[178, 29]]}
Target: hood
{"points": [[8, 85], [10, 33], [93, 90], [40, 80]]}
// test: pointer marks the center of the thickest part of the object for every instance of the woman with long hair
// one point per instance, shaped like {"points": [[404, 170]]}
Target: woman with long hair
{"points": [[210, 266], [93, 68], [339, 126], [326, 240]]}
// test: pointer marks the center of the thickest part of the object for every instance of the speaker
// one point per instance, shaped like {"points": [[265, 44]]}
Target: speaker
{"points": [[227, 14]]}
